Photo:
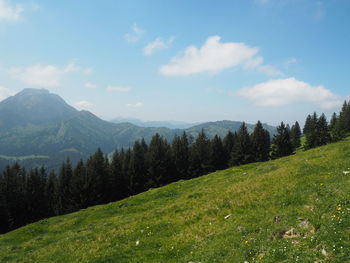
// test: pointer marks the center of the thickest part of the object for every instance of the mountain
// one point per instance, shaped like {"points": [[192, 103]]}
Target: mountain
{"points": [[222, 127], [166, 124], [33, 107], [294, 209], [40, 128]]}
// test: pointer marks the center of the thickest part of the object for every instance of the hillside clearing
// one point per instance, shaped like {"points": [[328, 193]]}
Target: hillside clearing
{"points": [[295, 209]]}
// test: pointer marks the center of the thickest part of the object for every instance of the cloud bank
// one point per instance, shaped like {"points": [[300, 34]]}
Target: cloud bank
{"points": [[44, 75], [214, 56], [280, 92]]}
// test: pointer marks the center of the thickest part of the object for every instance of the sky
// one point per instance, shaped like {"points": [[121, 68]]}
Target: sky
{"points": [[184, 60]]}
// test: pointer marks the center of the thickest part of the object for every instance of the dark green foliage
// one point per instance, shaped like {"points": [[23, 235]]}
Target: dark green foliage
{"points": [[138, 168], [119, 188], [97, 168], [65, 176], [323, 136], [200, 156], [337, 128], [282, 145], [310, 131], [181, 155], [160, 163], [37, 206], [242, 150], [317, 131], [218, 154], [295, 135], [228, 143], [261, 143]]}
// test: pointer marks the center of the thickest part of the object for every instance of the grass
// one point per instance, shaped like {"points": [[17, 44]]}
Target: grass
{"points": [[295, 209]]}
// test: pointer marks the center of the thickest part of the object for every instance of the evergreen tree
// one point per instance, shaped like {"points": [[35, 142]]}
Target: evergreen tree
{"points": [[37, 206], [311, 133], [337, 128], [66, 204], [345, 112], [97, 167], [261, 145], [323, 136], [242, 150], [218, 160], [118, 182], [160, 163], [200, 156], [308, 126], [228, 143], [52, 194], [14, 196], [295, 135], [180, 156], [282, 143], [138, 168]]}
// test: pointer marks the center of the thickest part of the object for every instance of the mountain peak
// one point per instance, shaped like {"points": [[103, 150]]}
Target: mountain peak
{"points": [[33, 106]]}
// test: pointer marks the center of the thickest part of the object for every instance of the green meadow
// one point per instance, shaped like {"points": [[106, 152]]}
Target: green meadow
{"points": [[294, 209]]}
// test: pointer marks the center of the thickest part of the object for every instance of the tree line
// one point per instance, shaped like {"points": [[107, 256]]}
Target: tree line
{"points": [[28, 196]]}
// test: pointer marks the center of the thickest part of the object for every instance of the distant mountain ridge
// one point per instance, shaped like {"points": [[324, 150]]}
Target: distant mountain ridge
{"points": [[38, 127], [166, 124]]}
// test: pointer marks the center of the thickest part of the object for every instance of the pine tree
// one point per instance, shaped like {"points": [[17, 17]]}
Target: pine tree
{"points": [[37, 206], [97, 167], [64, 188], [228, 143], [160, 163], [51, 190], [200, 156], [218, 160], [138, 168], [4, 212], [323, 136], [345, 112], [295, 135], [118, 182], [180, 156], [311, 132], [337, 128], [282, 143], [261, 145], [242, 151]]}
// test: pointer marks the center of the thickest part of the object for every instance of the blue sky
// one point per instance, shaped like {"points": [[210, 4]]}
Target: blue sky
{"points": [[192, 61]]}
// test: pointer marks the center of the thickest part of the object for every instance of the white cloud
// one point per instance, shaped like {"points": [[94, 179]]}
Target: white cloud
{"points": [[118, 88], [280, 92], [10, 12], [157, 44], [135, 34], [5, 92], [136, 105], [215, 56], [81, 105], [43, 75], [38, 75], [90, 86]]}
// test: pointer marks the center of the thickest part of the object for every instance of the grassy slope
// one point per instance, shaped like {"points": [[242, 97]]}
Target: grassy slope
{"points": [[185, 221]]}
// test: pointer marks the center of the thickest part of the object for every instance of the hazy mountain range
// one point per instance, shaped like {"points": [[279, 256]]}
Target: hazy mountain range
{"points": [[166, 124], [38, 127]]}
